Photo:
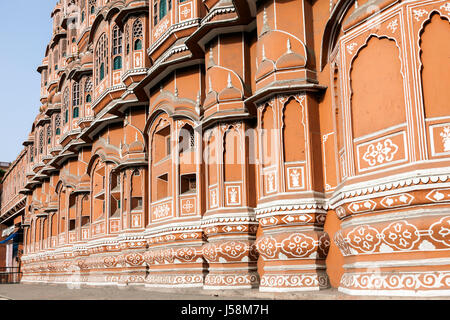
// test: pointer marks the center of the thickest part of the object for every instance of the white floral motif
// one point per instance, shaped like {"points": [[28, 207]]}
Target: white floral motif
{"points": [[446, 7], [270, 180], [445, 134], [161, 211], [351, 47], [382, 152], [419, 13], [401, 235], [233, 195], [393, 25], [295, 176]]}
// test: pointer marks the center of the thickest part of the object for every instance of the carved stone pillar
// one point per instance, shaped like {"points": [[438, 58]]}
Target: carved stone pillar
{"points": [[231, 253], [396, 238], [175, 259]]}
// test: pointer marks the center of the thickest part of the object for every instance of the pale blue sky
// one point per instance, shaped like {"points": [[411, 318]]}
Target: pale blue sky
{"points": [[25, 30]]}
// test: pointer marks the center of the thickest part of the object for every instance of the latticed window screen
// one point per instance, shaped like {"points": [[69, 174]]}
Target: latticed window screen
{"points": [[162, 9], [117, 41], [66, 105], [92, 4], [76, 94], [88, 90], [41, 141], [117, 48], [137, 34], [88, 86], [102, 58], [127, 38], [49, 134], [57, 124]]}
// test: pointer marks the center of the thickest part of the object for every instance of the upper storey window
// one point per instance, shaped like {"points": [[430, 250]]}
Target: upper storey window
{"points": [[58, 125], [75, 99], [41, 141], [92, 6], [88, 90], [117, 48], [66, 105], [137, 35], [155, 13], [55, 59], [162, 9], [49, 134], [102, 58]]}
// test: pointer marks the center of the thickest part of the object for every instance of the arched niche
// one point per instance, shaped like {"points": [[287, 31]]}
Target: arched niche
{"points": [[294, 131], [377, 88], [233, 155], [435, 59]]}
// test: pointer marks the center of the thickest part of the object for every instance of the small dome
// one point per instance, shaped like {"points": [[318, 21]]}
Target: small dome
{"points": [[136, 147], [87, 58], [85, 178], [230, 94], [57, 98], [264, 68], [290, 60]]}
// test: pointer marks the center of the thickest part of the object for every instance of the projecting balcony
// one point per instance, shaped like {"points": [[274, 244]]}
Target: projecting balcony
{"points": [[43, 120], [37, 167], [85, 122], [134, 76], [46, 159], [29, 140], [55, 150], [68, 137]]}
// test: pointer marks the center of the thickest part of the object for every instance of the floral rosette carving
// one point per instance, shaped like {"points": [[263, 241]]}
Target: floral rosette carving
{"points": [[82, 264], [209, 252], [324, 245], [401, 235], [298, 245], [110, 261], [159, 257], [134, 259], [339, 240], [149, 257], [267, 247], [186, 254], [234, 250], [168, 255], [364, 238], [440, 231]]}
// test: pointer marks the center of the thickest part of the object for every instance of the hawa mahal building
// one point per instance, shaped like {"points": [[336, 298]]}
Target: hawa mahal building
{"points": [[284, 145]]}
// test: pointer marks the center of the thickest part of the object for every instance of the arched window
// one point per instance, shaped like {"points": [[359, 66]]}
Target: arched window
{"points": [[102, 58], [117, 41], [137, 34], [55, 59], [76, 94], [76, 112], [155, 13], [82, 16], [117, 48], [66, 105], [41, 141], [92, 4], [88, 90], [58, 124], [127, 39], [49, 134], [117, 63], [162, 9]]}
